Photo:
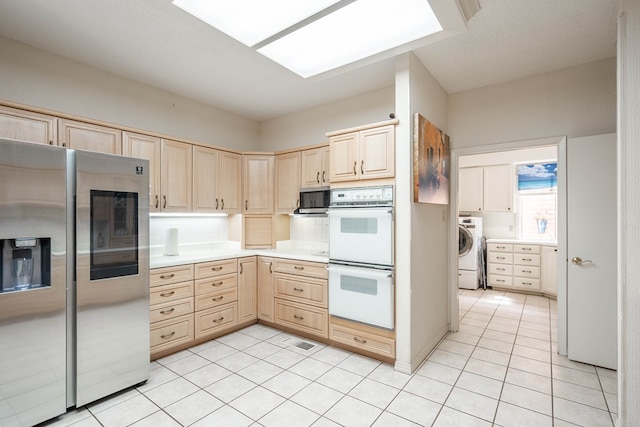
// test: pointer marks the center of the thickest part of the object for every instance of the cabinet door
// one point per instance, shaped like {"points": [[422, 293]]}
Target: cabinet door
{"points": [[265, 289], [229, 180], [325, 156], [257, 183], [27, 126], [377, 153], [344, 157], [549, 268], [84, 136], [311, 170], [146, 147], [176, 181], [205, 173], [498, 188], [470, 190], [247, 289], [287, 182]]}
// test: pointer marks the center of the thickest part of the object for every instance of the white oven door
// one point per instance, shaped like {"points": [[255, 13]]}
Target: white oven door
{"points": [[361, 235], [362, 294]]}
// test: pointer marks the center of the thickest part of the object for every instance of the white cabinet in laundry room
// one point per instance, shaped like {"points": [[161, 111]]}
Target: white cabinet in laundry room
{"points": [[486, 189]]}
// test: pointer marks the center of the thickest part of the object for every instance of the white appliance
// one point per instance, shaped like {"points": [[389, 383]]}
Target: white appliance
{"points": [[361, 257], [469, 252]]}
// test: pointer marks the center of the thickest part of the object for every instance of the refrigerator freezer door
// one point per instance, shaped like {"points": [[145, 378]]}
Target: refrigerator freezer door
{"points": [[112, 274], [32, 315]]}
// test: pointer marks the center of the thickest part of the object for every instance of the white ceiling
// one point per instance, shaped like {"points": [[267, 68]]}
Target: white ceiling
{"points": [[156, 43]]}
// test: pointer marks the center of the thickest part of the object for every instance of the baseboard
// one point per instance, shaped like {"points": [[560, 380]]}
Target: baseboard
{"points": [[409, 368]]}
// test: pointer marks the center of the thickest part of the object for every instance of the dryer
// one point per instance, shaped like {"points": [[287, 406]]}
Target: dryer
{"points": [[469, 252]]}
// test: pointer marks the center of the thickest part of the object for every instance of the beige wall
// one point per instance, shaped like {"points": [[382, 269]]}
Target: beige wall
{"points": [[309, 127], [628, 208], [576, 101], [35, 78], [422, 282]]}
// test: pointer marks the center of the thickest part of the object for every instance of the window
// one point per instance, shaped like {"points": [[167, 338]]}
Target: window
{"points": [[538, 200]]}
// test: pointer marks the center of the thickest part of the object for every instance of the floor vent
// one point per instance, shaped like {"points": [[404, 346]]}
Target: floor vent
{"points": [[304, 345]]}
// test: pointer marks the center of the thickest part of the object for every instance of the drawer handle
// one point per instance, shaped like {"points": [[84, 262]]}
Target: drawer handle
{"points": [[298, 289], [220, 298], [500, 257], [526, 249], [164, 204], [501, 269], [216, 268], [500, 280], [157, 201], [295, 316], [168, 276], [171, 310], [527, 271], [297, 267], [501, 247], [218, 320], [167, 294], [360, 341], [164, 337], [527, 283], [216, 284], [527, 259]]}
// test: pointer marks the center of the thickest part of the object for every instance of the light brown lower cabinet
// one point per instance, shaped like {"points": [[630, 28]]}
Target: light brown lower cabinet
{"points": [[247, 289], [217, 319], [266, 305], [166, 334], [362, 337], [312, 320]]}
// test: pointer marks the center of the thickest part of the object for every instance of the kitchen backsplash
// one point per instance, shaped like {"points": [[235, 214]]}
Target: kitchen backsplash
{"points": [[310, 228], [191, 229], [499, 225]]}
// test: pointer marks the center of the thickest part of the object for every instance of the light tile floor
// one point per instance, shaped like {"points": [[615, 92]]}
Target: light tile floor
{"points": [[500, 369]]}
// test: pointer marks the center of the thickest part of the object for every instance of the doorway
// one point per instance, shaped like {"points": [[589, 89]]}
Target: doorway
{"points": [[513, 152]]}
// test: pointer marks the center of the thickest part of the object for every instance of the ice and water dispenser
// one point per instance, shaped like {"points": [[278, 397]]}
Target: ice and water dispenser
{"points": [[25, 263]]}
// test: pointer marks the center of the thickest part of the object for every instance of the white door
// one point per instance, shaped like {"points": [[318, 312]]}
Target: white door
{"points": [[591, 250]]}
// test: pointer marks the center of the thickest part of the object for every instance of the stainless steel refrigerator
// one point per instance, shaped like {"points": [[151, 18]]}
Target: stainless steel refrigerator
{"points": [[74, 276]]}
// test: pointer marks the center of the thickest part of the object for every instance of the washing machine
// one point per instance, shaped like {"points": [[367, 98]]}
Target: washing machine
{"points": [[469, 252]]}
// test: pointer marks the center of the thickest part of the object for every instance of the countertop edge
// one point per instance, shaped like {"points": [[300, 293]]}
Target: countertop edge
{"points": [[171, 261]]}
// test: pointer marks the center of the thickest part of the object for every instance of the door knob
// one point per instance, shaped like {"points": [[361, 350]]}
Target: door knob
{"points": [[579, 261]]}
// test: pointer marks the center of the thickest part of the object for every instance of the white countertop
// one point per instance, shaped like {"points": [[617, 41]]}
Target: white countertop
{"points": [[525, 242], [303, 251]]}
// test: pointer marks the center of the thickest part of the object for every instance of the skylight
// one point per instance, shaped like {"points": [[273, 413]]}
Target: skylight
{"points": [[357, 30]]}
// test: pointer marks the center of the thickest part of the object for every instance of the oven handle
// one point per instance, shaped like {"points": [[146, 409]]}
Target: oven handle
{"points": [[358, 212], [368, 270]]}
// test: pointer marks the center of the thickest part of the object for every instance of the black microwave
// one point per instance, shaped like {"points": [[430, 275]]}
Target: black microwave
{"points": [[314, 200]]}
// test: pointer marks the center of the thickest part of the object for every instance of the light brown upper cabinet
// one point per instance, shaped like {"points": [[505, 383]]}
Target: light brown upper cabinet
{"points": [[27, 126], [362, 153], [149, 148], [216, 181], [287, 187], [315, 167], [176, 176], [84, 136], [257, 183]]}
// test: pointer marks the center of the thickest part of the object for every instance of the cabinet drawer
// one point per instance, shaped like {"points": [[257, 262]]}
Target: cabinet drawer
{"points": [[527, 249], [216, 268], [167, 275], [501, 269], [161, 294], [384, 346], [171, 309], [216, 319], [501, 257], [526, 259], [526, 271], [301, 289], [303, 268], [216, 299], [497, 280], [309, 319], [168, 333], [499, 247], [212, 284], [526, 283]]}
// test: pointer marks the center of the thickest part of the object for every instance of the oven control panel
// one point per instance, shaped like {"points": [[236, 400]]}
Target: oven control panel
{"points": [[362, 196]]}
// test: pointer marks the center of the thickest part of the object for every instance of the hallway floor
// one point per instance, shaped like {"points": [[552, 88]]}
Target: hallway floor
{"points": [[500, 369]]}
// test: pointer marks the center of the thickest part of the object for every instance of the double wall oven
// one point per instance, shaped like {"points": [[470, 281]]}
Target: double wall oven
{"points": [[361, 256]]}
